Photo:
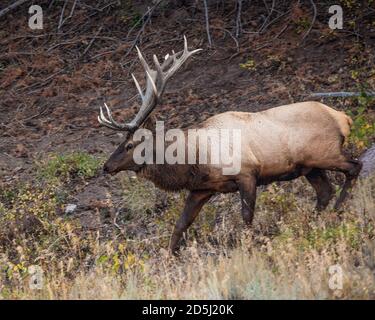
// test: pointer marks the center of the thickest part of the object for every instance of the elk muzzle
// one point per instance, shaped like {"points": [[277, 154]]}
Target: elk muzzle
{"points": [[109, 169]]}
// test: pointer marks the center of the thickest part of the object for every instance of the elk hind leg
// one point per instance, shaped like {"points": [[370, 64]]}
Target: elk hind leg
{"points": [[322, 186], [351, 168], [341, 163]]}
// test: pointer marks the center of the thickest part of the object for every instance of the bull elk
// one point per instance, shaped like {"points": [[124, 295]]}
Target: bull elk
{"points": [[279, 144]]}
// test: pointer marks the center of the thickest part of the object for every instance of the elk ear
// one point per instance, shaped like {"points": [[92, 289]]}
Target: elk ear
{"points": [[150, 123]]}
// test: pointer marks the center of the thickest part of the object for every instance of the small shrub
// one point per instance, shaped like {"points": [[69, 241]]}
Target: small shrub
{"points": [[302, 24], [139, 195], [248, 65], [68, 167], [363, 129]]}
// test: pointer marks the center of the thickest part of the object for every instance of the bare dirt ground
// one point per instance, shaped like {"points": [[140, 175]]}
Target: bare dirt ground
{"points": [[52, 81]]}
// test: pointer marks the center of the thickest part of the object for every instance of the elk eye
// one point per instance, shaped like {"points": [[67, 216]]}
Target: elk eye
{"points": [[129, 146]]}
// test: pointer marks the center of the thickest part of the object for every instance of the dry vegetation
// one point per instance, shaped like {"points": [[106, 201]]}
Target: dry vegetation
{"points": [[286, 255], [113, 244]]}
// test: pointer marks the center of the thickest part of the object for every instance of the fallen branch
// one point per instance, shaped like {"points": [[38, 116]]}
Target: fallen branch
{"points": [[238, 19], [282, 31], [266, 5], [11, 7], [91, 42], [207, 23], [263, 29], [62, 21], [313, 20], [148, 14], [231, 35], [62, 15], [341, 94], [264, 26]]}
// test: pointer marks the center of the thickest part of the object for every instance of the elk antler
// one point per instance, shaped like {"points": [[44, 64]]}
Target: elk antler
{"points": [[156, 82]]}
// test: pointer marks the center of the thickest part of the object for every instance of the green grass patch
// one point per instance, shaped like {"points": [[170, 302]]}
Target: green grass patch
{"points": [[68, 167]]}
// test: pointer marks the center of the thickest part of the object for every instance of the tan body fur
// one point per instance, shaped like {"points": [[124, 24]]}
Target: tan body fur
{"points": [[276, 143], [277, 140]]}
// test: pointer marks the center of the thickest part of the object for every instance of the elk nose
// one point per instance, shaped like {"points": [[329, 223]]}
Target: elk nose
{"points": [[105, 169]]}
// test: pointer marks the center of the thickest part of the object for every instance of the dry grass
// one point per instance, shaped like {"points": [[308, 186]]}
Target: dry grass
{"points": [[287, 255]]}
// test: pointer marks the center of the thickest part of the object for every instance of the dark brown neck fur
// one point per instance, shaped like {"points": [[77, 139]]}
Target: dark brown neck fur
{"points": [[173, 177]]}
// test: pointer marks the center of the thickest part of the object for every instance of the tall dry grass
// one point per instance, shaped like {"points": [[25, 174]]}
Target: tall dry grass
{"points": [[287, 254]]}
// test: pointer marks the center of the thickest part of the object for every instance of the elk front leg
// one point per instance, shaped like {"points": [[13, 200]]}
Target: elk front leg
{"points": [[193, 204], [247, 187]]}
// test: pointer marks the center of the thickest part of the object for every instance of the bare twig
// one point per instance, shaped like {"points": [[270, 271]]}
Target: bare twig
{"points": [[268, 17], [91, 42], [341, 94], [70, 15], [72, 10], [147, 13], [11, 55], [116, 224], [274, 20], [102, 54], [266, 5], [62, 15], [140, 32], [51, 4], [282, 31], [39, 84], [313, 20], [62, 44], [238, 19], [231, 35], [207, 23], [108, 5], [234, 39], [11, 7]]}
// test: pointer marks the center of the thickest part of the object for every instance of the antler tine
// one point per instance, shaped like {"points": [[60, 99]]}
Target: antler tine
{"points": [[102, 119], [185, 45], [157, 64], [152, 83], [178, 62], [156, 82], [111, 123], [109, 113], [138, 87], [173, 56], [186, 48], [143, 61]]}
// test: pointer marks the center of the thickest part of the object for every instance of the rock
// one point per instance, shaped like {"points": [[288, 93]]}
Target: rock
{"points": [[70, 208], [368, 160]]}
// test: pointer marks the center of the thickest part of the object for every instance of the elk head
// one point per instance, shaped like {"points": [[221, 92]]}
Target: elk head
{"points": [[122, 158]]}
